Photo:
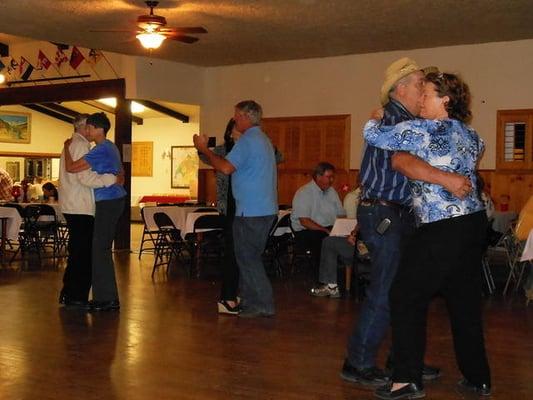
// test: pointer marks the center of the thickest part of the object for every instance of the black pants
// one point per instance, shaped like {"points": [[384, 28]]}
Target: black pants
{"points": [[310, 240], [445, 257], [106, 218], [77, 277], [230, 271]]}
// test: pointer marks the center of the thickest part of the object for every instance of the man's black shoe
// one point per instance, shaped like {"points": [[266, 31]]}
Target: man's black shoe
{"points": [[81, 304], [364, 376], [410, 391], [466, 386], [104, 305]]}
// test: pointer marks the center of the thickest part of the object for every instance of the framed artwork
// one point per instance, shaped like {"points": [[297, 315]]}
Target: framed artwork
{"points": [[13, 169], [142, 158], [15, 127], [184, 167]]}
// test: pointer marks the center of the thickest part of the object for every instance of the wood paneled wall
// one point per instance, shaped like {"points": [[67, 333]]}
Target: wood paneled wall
{"points": [[517, 186]]}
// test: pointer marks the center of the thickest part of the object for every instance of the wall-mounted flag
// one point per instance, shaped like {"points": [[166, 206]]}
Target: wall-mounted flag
{"points": [[60, 57], [76, 58], [25, 69], [42, 61], [94, 56]]}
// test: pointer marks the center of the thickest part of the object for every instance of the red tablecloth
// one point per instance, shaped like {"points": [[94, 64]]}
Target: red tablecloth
{"points": [[164, 199]]}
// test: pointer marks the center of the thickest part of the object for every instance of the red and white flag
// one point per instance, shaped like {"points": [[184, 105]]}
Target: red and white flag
{"points": [[76, 58], [42, 61], [60, 58]]}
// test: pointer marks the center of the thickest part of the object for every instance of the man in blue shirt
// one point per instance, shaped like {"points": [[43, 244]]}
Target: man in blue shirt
{"points": [[385, 220], [252, 166]]}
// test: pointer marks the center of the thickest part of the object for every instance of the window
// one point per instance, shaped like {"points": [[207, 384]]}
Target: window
{"points": [[515, 140]]}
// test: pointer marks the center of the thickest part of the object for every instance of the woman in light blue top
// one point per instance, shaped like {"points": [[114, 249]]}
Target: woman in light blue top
{"points": [[445, 252]]}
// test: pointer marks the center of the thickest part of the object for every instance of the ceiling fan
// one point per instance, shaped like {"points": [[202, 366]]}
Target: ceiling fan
{"points": [[152, 30]]}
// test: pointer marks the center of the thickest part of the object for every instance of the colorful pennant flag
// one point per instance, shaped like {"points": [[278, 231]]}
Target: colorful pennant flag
{"points": [[42, 61], [94, 56], [25, 69], [60, 57], [76, 58]]}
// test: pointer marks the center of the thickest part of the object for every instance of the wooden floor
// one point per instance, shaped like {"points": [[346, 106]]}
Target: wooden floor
{"points": [[168, 342]]}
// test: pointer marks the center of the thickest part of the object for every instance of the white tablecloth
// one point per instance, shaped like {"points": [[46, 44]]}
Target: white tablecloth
{"points": [[178, 215], [191, 219], [14, 220]]}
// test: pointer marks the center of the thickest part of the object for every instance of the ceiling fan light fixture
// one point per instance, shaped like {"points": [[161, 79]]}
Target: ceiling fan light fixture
{"points": [[151, 40]]}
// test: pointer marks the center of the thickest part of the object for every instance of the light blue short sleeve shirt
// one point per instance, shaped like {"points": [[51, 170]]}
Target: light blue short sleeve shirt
{"points": [[254, 182]]}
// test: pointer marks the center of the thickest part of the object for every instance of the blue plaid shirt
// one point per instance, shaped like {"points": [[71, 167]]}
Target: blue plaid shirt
{"points": [[378, 179], [449, 145]]}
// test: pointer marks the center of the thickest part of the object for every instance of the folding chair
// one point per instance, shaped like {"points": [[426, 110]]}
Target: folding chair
{"points": [[207, 239], [280, 241], [168, 244], [149, 236]]}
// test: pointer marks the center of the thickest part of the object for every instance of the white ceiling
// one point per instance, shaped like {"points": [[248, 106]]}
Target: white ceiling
{"points": [[248, 31]]}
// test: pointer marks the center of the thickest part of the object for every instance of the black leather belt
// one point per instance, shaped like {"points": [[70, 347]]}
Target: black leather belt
{"points": [[384, 203]]}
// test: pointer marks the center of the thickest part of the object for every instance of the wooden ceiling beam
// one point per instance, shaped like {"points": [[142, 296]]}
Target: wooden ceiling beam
{"points": [[110, 110], [164, 110], [50, 113], [61, 109]]}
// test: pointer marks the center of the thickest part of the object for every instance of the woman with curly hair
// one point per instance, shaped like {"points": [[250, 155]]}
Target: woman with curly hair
{"points": [[444, 255]]}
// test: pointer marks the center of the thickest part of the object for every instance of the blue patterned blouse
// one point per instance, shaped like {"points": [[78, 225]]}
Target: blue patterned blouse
{"points": [[448, 145]]}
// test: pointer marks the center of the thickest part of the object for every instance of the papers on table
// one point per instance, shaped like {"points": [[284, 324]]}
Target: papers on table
{"points": [[343, 226]]}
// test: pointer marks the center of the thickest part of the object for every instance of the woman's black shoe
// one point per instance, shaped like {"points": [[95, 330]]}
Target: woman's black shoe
{"points": [[104, 305], [409, 391], [466, 386]]}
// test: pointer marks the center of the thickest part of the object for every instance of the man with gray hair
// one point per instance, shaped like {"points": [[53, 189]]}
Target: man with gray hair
{"points": [[252, 166], [77, 205]]}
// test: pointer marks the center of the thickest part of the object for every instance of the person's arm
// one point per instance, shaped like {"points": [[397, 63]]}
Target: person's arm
{"points": [[93, 180], [308, 223], [71, 165], [415, 168], [217, 162]]}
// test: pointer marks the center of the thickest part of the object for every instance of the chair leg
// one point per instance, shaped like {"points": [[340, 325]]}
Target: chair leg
{"points": [[348, 278]]}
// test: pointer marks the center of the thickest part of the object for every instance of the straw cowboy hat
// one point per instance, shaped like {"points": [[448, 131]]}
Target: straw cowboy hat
{"points": [[396, 71]]}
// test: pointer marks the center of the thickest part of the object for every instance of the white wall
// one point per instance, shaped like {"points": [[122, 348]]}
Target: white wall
{"points": [[164, 132], [47, 134], [499, 75]]}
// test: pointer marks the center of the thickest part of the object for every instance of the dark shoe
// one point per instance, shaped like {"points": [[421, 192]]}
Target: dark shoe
{"points": [[225, 308], [255, 314], [466, 386], [62, 297], [410, 391], [365, 376], [81, 304], [430, 373], [104, 305]]}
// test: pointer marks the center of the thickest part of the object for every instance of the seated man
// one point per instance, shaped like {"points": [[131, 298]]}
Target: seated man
{"points": [[333, 248], [315, 207]]}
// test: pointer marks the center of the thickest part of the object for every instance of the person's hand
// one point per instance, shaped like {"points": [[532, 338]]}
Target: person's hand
{"points": [[67, 143], [120, 178], [458, 185], [377, 114], [200, 142], [352, 237]]}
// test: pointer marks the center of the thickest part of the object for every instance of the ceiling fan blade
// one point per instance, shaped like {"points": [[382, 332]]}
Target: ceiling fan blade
{"points": [[185, 29], [181, 38], [112, 30]]}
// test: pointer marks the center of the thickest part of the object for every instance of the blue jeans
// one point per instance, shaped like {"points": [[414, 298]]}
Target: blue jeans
{"points": [[250, 235], [385, 251]]}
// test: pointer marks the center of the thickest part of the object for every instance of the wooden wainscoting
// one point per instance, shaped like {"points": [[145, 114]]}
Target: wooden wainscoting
{"points": [[517, 186]]}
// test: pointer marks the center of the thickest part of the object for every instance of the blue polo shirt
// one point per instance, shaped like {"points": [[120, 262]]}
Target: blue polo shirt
{"points": [[104, 158], [255, 180]]}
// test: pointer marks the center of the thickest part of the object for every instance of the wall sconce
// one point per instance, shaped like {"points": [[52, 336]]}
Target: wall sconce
{"points": [[2, 79], [165, 154]]}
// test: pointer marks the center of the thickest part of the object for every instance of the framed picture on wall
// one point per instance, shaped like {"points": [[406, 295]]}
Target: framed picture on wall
{"points": [[15, 127], [184, 167], [13, 169]]}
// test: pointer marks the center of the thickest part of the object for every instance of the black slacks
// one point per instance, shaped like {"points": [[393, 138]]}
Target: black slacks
{"points": [[445, 257], [230, 270], [77, 277]]}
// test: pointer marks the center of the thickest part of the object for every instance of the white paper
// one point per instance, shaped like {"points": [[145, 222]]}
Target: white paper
{"points": [[343, 226]]}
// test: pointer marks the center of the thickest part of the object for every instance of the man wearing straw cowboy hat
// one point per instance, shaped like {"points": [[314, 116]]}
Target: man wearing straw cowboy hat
{"points": [[385, 220]]}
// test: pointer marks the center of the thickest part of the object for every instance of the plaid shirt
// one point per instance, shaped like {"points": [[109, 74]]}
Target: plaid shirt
{"points": [[6, 184]]}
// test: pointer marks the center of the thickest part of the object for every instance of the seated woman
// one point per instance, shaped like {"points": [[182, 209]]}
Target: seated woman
{"points": [[444, 254], [50, 192]]}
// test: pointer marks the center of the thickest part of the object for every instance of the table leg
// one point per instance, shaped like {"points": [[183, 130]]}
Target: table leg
{"points": [[4, 240]]}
